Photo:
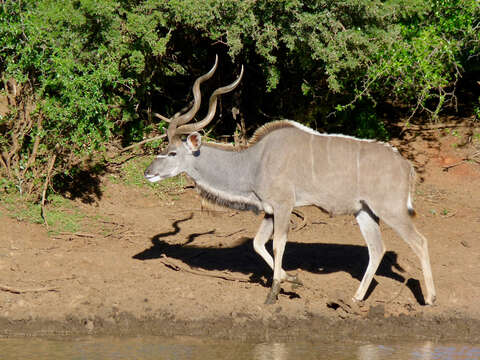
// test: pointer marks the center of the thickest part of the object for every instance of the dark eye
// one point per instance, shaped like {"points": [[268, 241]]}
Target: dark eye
{"points": [[172, 153]]}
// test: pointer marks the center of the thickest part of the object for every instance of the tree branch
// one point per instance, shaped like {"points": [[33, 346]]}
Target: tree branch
{"points": [[142, 142]]}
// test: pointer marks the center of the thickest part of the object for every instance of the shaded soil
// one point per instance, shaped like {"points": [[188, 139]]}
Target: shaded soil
{"points": [[162, 265]]}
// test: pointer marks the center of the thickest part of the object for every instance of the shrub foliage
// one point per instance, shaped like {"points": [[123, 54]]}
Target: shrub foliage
{"points": [[81, 75]]}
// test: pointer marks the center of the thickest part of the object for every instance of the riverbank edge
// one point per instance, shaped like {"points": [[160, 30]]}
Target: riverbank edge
{"points": [[280, 328]]}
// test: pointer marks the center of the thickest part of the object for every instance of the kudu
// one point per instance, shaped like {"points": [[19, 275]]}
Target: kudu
{"points": [[285, 165]]}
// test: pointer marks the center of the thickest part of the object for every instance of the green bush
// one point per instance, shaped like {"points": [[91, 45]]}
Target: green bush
{"points": [[424, 65], [84, 75], [74, 71]]}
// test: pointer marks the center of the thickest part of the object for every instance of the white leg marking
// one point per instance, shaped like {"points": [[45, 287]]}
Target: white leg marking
{"points": [[371, 233], [263, 235]]}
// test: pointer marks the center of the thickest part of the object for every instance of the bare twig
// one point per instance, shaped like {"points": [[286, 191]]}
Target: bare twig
{"points": [[467, 158], [230, 234], [78, 234], [175, 265], [33, 155], [407, 126], [45, 187], [4, 164], [142, 142], [161, 117], [22, 291]]}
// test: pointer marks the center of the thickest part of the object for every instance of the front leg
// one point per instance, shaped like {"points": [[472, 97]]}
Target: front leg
{"points": [[263, 235], [273, 294]]}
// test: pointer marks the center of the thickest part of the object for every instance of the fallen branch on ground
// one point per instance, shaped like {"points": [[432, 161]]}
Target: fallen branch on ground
{"points": [[78, 234], [432, 127], [22, 291], [178, 266], [231, 234], [467, 158]]}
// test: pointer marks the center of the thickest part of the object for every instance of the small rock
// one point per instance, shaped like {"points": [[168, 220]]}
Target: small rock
{"points": [[377, 311], [89, 325]]}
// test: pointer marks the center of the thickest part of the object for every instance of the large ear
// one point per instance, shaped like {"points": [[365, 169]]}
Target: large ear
{"points": [[194, 141]]}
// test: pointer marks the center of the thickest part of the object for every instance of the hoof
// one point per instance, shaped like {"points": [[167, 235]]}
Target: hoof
{"points": [[272, 295], [430, 301], [271, 299], [355, 300], [295, 281]]}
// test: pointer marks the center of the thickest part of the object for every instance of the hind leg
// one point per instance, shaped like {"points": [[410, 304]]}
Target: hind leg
{"points": [[370, 229], [407, 230]]}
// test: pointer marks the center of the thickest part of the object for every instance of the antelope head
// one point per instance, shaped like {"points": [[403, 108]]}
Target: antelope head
{"points": [[179, 153]]}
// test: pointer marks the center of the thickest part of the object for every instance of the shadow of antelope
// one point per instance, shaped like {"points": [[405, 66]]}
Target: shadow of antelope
{"points": [[318, 258]]}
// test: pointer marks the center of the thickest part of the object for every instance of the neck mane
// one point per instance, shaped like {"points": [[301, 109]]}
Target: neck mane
{"points": [[259, 134]]}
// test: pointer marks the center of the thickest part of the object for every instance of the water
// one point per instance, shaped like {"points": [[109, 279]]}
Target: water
{"points": [[187, 348]]}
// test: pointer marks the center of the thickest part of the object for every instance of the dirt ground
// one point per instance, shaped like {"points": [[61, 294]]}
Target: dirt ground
{"points": [[161, 265]]}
